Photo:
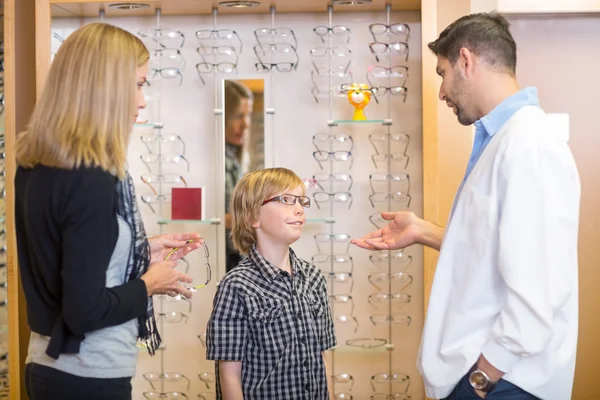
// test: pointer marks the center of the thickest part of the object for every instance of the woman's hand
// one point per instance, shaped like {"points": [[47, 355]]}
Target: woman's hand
{"points": [[163, 278], [162, 245]]}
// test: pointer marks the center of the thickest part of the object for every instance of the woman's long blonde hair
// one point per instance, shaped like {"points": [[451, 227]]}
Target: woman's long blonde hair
{"points": [[85, 114]]}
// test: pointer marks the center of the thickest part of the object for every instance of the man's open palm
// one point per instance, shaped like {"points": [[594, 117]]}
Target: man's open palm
{"points": [[401, 232]]}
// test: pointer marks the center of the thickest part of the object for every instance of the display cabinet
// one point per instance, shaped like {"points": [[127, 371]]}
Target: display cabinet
{"points": [[409, 154]]}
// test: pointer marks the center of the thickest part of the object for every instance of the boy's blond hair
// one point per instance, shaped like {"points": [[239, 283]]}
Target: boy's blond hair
{"points": [[86, 111], [248, 197]]}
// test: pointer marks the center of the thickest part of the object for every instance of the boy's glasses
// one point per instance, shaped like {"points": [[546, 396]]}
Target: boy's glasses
{"points": [[289, 200]]}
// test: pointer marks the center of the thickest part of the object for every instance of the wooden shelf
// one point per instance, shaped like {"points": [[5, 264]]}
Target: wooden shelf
{"points": [[90, 8]]}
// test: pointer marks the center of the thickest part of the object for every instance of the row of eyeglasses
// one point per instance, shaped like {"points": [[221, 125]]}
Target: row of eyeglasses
{"points": [[219, 51], [276, 49], [334, 77], [328, 149], [172, 152]]}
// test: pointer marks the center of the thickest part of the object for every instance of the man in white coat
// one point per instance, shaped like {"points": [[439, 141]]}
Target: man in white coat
{"points": [[502, 316]]}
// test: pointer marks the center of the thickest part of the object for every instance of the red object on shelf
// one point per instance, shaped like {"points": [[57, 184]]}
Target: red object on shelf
{"points": [[187, 203]]}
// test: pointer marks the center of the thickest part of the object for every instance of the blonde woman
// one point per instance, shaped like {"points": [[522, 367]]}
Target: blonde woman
{"points": [[88, 269]]}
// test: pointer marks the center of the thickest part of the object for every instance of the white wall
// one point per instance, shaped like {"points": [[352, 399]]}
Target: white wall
{"points": [[187, 110]]}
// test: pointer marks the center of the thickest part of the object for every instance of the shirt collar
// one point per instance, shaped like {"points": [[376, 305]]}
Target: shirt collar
{"points": [[270, 271], [495, 119]]}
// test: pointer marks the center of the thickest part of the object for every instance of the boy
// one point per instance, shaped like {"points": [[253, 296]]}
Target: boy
{"points": [[271, 320]]}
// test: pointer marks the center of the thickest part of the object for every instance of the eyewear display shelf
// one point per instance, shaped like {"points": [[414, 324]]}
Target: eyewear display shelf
{"points": [[392, 277]]}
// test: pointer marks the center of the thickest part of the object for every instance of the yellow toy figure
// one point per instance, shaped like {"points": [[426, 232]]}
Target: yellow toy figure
{"points": [[359, 95]]}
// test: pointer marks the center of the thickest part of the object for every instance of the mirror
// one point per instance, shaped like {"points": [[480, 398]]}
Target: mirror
{"points": [[244, 131]]}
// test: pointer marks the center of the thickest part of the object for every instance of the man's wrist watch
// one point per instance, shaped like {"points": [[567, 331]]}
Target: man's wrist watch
{"points": [[479, 380]]}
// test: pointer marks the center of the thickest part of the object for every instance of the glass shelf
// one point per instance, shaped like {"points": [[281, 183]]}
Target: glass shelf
{"points": [[154, 125], [328, 220], [336, 122], [210, 221], [353, 349]]}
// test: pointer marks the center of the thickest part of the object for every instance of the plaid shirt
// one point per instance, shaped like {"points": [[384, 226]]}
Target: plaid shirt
{"points": [[276, 324]]}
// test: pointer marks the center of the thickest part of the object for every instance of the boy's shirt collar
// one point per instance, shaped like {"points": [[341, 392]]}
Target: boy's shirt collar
{"points": [[270, 271]]}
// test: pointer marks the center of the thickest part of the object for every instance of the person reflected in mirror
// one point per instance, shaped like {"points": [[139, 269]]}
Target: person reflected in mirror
{"points": [[271, 316], [238, 116], [87, 267], [502, 315]]}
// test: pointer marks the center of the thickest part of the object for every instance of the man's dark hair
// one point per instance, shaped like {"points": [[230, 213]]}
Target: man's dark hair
{"points": [[485, 34]]}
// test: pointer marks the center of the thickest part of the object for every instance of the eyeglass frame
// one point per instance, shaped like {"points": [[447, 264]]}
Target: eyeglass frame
{"points": [[334, 275], [393, 158], [347, 260], [216, 31], [354, 342], [163, 158], [391, 178], [390, 138], [348, 318], [333, 138], [390, 196], [279, 199], [332, 153], [350, 381], [143, 32], [336, 239], [334, 194], [385, 89], [393, 396], [388, 77], [184, 316], [163, 376], [208, 267], [163, 139], [388, 30], [270, 33], [391, 277], [213, 65], [267, 66], [163, 395], [390, 298], [349, 299], [330, 31], [177, 298], [334, 180], [394, 259], [152, 72], [207, 381], [387, 51], [405, 379], [160, 178]]}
